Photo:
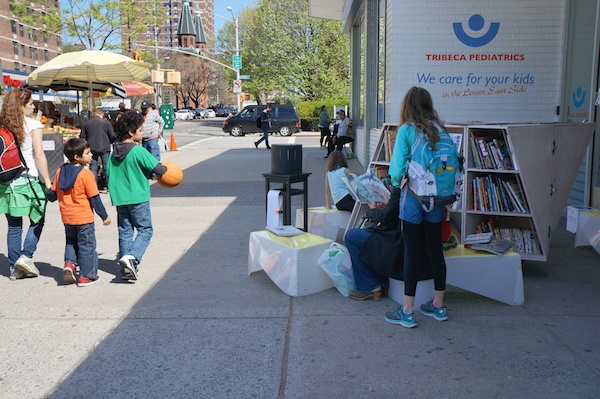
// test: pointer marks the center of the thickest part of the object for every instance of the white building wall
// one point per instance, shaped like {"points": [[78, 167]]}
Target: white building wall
{"points": [[470, 83]]}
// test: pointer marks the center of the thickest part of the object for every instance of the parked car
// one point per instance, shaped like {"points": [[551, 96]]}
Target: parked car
{"points": [[184, 114], [210, 113], [201, 113], [221, 111], [284, 119]]}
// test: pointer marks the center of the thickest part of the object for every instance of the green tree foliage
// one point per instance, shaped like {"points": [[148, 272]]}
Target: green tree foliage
{"points": [[96, 24], [289, 54]]}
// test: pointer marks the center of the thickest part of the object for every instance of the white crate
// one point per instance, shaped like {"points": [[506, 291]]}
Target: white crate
{"points": [[291, 262], [573, 216]]}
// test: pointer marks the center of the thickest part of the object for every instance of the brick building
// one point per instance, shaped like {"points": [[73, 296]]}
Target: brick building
{"points": [[25, 47]]}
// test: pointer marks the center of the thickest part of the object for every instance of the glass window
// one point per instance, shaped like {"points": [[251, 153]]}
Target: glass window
{"points": [[45, 55], [22, 50], [16, 48], [21, 30], [286, 112], [17, 67], [13, 27]]}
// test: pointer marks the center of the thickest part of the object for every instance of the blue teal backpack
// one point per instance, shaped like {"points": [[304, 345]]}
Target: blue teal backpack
{"points": [[435, 177]]}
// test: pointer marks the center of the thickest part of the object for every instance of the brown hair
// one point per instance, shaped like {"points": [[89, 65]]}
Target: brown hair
{"points": [[11, 114], [417, 107], [98, 112], [336, 160]]}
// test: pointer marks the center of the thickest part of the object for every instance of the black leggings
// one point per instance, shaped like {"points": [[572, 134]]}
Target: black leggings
{"points": [[346, 204], [411, 233]]}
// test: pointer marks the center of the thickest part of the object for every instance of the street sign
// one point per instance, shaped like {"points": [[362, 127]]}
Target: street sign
{"points": [[247, 77], [237, 86], [237, 62]]}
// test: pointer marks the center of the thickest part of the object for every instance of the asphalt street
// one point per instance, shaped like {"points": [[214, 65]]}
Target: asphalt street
{"points": [[195, 325]]}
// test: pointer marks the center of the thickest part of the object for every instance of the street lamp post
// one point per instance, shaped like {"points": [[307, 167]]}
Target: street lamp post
{"points": [[237, 51], [237, 44]]}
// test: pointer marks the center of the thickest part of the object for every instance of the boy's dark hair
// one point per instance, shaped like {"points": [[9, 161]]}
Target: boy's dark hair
{"points": [[75, 146], [127, 124]]}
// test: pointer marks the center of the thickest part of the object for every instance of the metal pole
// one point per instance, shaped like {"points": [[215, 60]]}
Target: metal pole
{"points": [[237, 53]]}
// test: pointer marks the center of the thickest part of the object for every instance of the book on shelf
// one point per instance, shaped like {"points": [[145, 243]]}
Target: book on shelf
{"points": [[515, 194], [497, 246], [390, 141], [476, 158], [490, 152]]}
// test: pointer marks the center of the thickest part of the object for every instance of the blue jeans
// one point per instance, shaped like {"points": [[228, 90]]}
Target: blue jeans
{"points": [[103, 156], [81, 248], [265, 137], [365, 278], [15, 236], [134, 217], [152, 147]]}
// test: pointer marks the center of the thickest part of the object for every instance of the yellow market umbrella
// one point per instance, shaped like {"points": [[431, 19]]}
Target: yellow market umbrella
{"points": [[89, 66]]}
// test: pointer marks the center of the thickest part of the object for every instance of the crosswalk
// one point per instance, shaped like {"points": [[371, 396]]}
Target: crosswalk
{"points": [[243, 142]]}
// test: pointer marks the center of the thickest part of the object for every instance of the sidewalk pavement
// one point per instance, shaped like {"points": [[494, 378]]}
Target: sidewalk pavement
{"points": [[195, 325]]}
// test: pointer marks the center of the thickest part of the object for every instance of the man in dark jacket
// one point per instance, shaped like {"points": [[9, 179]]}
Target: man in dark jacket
{"points": [[99, 134]]}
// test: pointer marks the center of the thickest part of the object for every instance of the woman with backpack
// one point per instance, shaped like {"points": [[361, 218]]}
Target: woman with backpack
{"points": [[25, 194], [422, 128]]}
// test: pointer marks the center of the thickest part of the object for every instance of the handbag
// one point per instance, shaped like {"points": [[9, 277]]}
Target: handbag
{"points": [[383, 252]]}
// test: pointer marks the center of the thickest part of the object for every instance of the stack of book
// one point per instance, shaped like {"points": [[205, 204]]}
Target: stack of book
{"points": [[490, 152], [493, 194], [487, 242], [523, 239]]}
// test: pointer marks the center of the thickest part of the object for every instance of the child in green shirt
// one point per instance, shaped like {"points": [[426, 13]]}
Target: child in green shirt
{"points": [[128, 169]]}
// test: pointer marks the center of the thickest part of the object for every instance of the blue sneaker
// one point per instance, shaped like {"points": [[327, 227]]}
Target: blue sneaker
{"points": [[399, 317], [437, 313]]}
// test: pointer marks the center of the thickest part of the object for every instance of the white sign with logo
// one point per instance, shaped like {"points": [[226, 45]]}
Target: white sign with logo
{"points": [[237, 86], [489, 64]]}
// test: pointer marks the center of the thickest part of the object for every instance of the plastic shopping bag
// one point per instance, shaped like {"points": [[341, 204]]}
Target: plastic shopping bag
{"points": [[336, 262]]}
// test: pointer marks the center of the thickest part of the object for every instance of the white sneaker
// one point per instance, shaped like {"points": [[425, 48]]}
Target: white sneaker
{"points": [[129, 268], [27, 266]]}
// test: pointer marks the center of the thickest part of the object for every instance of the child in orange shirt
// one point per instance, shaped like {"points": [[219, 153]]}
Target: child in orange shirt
{"points": [[77, 192]]}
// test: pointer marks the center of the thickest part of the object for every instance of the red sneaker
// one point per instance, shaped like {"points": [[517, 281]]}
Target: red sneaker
{"points": [[69, 272], [84, 281]]}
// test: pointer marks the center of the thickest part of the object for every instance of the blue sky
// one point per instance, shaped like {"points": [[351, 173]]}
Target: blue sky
{"points": [[221, 9]]}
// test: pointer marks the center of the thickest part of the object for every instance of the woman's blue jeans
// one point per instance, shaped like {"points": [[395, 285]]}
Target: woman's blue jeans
{"points": [[15, 237], [103, 156], [365, 278], [81, 248], [134, 217]]}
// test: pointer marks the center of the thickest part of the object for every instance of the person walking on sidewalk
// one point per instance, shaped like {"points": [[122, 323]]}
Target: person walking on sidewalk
{"points": [[99, 133], [265, 122], [418, 115], [152, 129], [129, 168], [78, 197], [324, 122], [24, 195]]}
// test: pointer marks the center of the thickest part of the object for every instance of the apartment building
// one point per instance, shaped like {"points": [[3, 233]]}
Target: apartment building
{"points": [[25, 47]]}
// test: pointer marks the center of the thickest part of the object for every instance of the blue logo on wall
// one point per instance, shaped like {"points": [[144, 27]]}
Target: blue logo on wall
{"points": [[578, 97], [476, 23]]}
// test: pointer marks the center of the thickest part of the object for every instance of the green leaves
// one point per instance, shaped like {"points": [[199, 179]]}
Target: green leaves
{"points": [[288, 53]]}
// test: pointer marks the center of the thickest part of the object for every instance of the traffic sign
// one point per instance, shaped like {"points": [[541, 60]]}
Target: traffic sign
{"points": [[237, 62], [245, 77], [237, 86]]}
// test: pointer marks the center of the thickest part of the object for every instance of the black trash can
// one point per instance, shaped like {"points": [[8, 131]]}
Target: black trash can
{"points": [[286, 159]]}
